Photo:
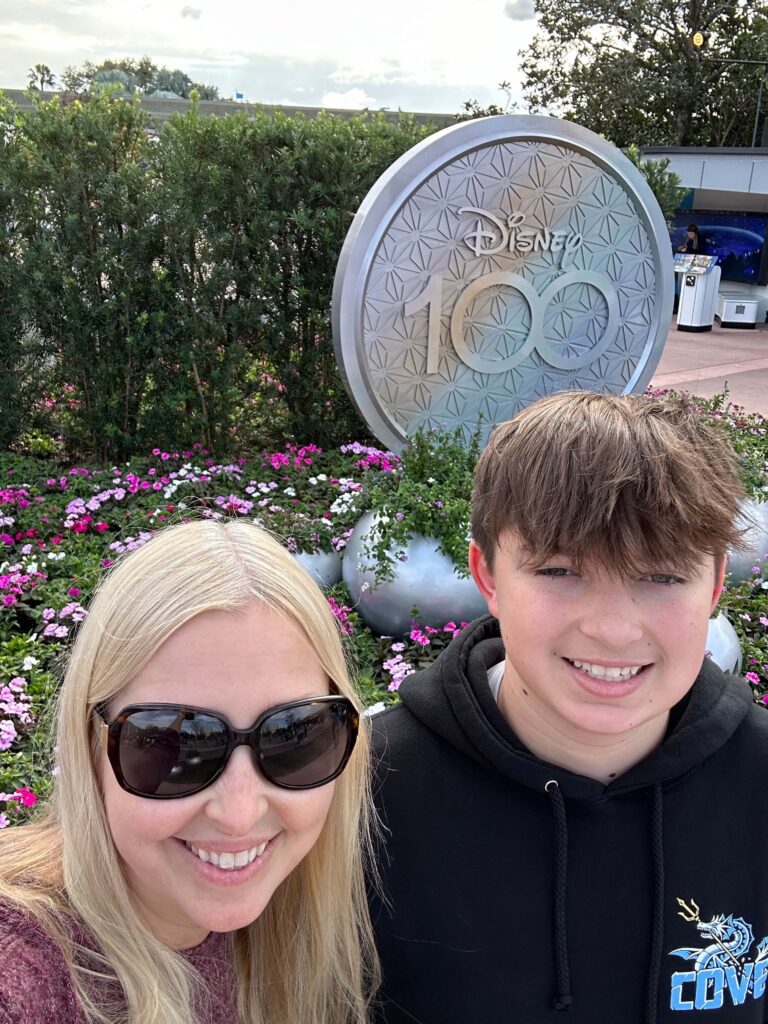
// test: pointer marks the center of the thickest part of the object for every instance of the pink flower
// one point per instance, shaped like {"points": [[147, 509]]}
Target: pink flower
{"points": [[7, 733], [752, 677], [419, 637], [25, 796]]}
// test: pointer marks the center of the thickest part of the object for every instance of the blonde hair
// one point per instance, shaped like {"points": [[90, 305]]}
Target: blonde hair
{"points": [[309, 957], [626, 482]]}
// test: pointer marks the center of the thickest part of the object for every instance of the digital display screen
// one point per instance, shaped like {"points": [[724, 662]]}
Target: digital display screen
{"points": [[737, 239]]}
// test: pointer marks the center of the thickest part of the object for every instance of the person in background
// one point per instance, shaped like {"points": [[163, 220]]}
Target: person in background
{"points": [[692, 243], [201, 859]]}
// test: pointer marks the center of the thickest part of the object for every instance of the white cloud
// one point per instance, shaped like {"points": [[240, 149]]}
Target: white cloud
{"points": [[414, 56], [520, 10], [352, 99]]}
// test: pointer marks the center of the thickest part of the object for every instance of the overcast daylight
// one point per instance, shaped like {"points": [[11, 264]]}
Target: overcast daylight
{"points": [[425, 56]]}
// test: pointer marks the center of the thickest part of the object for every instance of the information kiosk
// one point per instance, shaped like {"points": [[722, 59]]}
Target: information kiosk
{"points": [[699, 284]]}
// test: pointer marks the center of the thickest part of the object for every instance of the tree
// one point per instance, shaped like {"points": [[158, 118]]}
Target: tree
{"points": [[631, 72], [132, 75], [664, 184], [41, 77], [471, 109]]}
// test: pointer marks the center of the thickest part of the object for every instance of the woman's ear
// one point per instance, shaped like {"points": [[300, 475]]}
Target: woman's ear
{"points": [[483, 576]]}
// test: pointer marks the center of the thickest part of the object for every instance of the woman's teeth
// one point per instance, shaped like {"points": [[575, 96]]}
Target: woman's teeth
{"points": [[611, 675], [228, 861]]}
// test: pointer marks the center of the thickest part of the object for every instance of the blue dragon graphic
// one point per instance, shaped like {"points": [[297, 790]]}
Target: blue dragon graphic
{"points": [[732, 938]]}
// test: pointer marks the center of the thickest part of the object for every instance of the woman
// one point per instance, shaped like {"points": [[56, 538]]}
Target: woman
{"points": [[692, 241], [178, 876]]}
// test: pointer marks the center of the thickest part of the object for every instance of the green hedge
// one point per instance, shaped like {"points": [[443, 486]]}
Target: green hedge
{"points": [[177, 286]]}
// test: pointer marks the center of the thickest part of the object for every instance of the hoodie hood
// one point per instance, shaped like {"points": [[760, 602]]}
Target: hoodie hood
{"points": [[452, 699]]}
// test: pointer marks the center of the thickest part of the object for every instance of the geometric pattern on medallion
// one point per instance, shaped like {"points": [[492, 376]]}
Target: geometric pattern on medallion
{"points": [[504, 215]]}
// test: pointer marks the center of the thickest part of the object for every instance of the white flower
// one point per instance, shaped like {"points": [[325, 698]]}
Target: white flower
{"points": [[374, 709], [29, 662]]}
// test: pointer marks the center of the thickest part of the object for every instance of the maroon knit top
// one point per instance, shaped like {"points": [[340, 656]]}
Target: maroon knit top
{"points": [[36, 987]]}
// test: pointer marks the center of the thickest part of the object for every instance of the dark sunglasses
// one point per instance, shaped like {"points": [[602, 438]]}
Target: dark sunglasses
{"points": [[167, 751]]}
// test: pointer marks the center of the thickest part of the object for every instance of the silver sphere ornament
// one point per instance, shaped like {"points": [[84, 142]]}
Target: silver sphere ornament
{"points": [[323, 566], [741, 562], [724, 645], [425, 579]]}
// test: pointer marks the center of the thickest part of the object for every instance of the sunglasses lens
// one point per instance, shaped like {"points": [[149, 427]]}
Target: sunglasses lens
{"points": [[170, 752], [307, 745]]}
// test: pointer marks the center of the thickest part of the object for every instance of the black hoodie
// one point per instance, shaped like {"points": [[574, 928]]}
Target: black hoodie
{"points": [[516, 890]]}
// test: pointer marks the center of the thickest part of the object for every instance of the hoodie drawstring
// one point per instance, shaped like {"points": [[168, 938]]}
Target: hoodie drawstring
{"points": [[657, 939], [563, 999]]}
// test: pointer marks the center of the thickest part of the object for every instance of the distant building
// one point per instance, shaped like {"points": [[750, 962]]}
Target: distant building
{"points": [[729, 181], [161, 109]]}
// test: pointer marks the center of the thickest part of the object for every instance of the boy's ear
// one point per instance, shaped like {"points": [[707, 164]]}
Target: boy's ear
{"points": [[719, 580], [483, 576]]}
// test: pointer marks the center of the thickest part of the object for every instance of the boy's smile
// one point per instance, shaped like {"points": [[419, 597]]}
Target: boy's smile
{"points": [[594, 662]]}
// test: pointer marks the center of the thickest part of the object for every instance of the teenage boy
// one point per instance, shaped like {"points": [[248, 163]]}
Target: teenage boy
{"points": [[574, 797]]}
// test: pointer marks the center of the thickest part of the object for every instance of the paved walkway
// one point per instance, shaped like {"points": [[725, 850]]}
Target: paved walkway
{"points": [[702, 362]]}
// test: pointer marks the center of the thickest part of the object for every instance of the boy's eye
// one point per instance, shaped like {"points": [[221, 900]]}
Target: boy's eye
{"points": [[554, 571], [664, 578]]}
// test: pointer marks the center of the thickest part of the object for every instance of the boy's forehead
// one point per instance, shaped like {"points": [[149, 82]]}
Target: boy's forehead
{"points": [[512, 546]]}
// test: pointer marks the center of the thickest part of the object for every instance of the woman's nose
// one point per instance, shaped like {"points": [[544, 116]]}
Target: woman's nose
{"points": [[239, 798]]}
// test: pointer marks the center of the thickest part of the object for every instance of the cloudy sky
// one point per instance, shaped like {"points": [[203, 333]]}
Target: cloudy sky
{"points": [[419, 55]]}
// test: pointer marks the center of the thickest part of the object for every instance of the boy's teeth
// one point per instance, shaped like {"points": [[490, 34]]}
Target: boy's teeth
{"points": [[611, 675], [228, 861]]}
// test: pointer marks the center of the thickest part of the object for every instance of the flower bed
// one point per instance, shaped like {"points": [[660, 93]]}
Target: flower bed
{"points": [[60, 527]]}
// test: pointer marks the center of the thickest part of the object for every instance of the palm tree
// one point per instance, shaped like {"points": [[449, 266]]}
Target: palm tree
{"points": [[43, 75]]}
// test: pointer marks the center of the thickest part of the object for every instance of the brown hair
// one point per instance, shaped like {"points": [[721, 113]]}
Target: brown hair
{"points": [[626, 482]]}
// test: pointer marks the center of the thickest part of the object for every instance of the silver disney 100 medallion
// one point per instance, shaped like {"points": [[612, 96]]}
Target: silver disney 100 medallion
{"points": [[498, 261]]}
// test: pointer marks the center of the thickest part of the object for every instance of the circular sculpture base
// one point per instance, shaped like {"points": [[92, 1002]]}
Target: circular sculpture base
{"points": [[427, 580]]}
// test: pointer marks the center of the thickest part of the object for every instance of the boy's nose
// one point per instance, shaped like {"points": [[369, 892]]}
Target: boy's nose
{"points": [[611, 615]]}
